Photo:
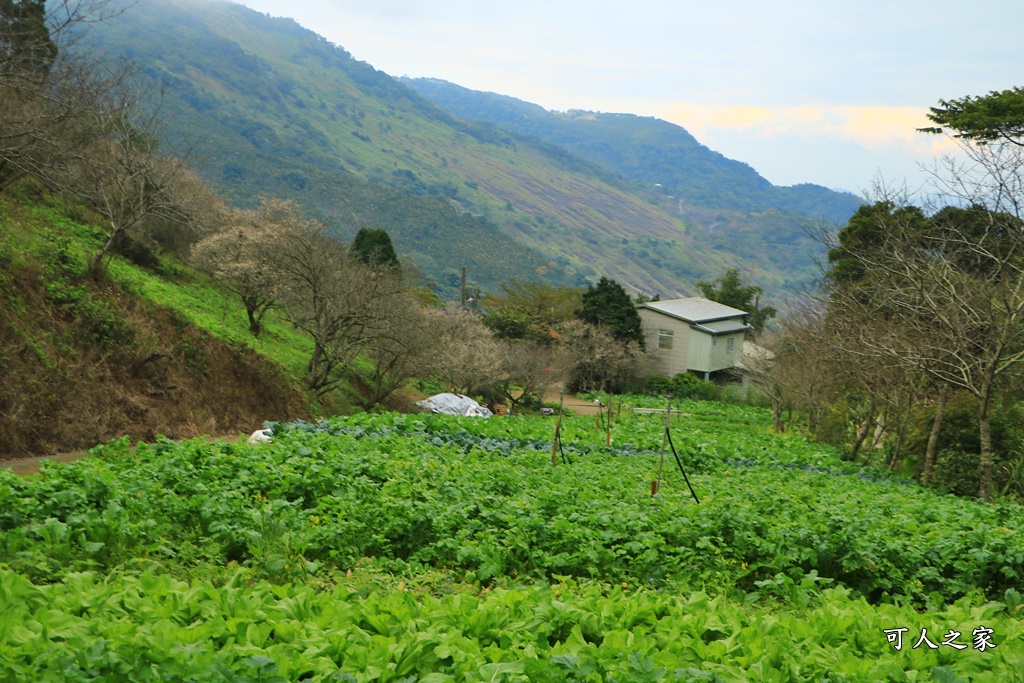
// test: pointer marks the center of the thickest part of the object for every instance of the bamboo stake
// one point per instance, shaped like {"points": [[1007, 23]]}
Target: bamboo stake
{"points": [[608, 425], [661, 460], [558, 431]]}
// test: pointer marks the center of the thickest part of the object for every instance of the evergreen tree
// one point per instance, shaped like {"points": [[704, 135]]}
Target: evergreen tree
{"points": [[374, 248], [25, 42], [995, 117], [730, 291], [608, 304], [866, 232]]}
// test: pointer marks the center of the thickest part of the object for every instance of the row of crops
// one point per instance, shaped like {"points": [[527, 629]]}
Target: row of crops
{"points": [[430, 548], [151, 627]]}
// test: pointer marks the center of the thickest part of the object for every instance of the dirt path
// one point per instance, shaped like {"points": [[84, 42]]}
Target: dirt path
{"points": [[26, 466], [570, 401]]}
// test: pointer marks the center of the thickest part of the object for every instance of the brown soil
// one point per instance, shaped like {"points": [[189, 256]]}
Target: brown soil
{"points": [[580, 406], [24, 467], [62, 391]]}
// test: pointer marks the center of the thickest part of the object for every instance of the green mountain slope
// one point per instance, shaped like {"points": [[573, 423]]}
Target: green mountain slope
{"points": [[270, 107], [648, 151], [142, 351]]}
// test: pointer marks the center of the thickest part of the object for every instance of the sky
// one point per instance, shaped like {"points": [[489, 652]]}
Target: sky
{"points": [[821, 91]]}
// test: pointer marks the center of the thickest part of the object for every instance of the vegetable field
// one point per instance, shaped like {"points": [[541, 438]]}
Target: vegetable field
{"points": [[428, 548]]}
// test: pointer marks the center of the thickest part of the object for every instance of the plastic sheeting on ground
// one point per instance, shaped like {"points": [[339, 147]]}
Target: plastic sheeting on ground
{"points": [[453, 404], [261, 436]]}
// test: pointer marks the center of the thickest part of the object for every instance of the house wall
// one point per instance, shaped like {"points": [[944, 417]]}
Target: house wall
{"points": [[700, 351], [665, 362], [721, 358], [691, 349]]}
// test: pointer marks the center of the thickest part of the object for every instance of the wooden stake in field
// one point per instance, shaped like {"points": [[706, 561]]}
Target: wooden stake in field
{"points": [[558, 430], [661, 461], [656, 485], [608, 425]]}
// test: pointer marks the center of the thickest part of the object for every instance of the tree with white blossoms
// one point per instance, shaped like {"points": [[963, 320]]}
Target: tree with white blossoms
{"points": [[592, 358], [243, 253], [467, 357]]}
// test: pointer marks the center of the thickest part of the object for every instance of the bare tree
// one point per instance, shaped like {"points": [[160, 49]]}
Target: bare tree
{"points": [[403, 349], [51, 92], [528, 370], [933, 436], [467, 357], [769, 366], [805, 372], [880, 390], [123, 179], [953, 294], [593, 359], [344, 306], [73, 120], [201, 213]]}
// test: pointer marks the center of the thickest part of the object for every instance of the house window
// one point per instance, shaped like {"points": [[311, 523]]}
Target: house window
{"points": [[665, 339], [714, 341], [730, 343]]}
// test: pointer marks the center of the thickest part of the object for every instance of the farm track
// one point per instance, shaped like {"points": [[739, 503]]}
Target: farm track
{"points": [[578, 405], [30, 465], [24, 467]]}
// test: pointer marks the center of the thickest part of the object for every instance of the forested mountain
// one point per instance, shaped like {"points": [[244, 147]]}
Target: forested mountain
{"points": [[268, 107], [655, 154]]}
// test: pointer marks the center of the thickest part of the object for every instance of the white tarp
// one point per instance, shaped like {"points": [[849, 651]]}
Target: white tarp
{"points": [[453, 404], [261, 436]]}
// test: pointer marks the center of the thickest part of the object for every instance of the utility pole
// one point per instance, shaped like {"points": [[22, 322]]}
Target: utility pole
{"points": [[462, 296]]}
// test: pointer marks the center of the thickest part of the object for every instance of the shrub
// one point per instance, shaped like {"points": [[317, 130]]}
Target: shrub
{"points": [[683, 385], [659, 384]]}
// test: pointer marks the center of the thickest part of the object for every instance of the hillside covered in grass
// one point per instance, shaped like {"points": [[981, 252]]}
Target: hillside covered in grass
{"points": [[268, 107], [150, 347], [655, 154]]}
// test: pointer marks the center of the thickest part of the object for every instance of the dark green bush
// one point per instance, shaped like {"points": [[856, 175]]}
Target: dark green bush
{"points": [[683, 385], [956, 466]]}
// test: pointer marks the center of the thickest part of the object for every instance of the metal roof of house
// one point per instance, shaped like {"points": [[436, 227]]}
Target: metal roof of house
{"points": [[695, 309], [721, 326]]}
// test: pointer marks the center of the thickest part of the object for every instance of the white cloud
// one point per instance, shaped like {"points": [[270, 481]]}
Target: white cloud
{"points": [[872, 127]]}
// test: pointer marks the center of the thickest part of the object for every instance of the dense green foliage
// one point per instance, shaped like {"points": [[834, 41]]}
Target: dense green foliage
{"points": [[374, 248], [479, 497], [608, 304], [154, 628], [959, 443], [529, 310], [730, 291], [682, 385], [456, 505], [995, 117]]}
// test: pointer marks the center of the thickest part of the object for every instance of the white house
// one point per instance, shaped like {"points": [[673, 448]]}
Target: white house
{"points": [[692, 334]]}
